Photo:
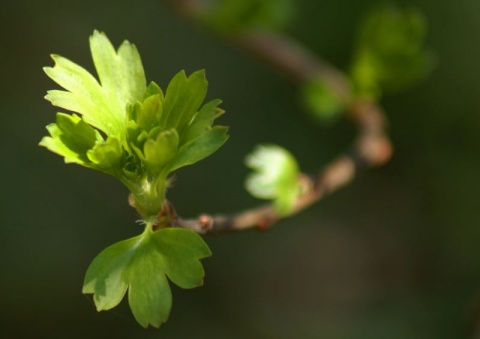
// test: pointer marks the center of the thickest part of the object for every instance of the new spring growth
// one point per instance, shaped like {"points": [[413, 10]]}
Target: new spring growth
{"points": [[134, 132]]}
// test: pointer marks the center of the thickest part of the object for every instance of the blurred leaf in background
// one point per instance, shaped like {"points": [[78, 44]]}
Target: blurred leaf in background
{"points": [[322, 101], [275, 176], [227, 16], [390, 53]]}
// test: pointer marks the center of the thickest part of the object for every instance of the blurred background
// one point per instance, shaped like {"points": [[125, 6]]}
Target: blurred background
{"points": [[396, 254]]}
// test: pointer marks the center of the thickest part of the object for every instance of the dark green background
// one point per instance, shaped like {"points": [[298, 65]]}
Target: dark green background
{"points": [[394, 255]]}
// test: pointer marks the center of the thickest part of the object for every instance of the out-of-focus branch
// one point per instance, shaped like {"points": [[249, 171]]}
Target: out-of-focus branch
{"points": [[371, 148], [291, 59], [188, 8]]}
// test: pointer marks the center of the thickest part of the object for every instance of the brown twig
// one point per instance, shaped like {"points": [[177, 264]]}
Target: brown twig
{"points": [[372, 147]]}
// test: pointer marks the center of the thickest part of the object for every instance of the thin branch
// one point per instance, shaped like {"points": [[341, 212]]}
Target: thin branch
{"points": [[371, 148], [291, 59]]}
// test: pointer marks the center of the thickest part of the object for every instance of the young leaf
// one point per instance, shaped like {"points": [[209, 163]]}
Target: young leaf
{"points": [[107, 156], [182, 99], [153, 89], [147, 112], [202, 121], [121, 74], [103, 106], [161, 150], [199, 148], [147, 135], [275, 177], [83, 95], [390, 53], [71, 138], [141, 265]]}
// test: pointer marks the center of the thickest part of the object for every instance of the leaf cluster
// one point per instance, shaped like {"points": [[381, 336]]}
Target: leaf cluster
{"points": [[137, 133], [141, 265]]}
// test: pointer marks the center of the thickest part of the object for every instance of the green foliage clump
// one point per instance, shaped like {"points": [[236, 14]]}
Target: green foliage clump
{"points": [[390, 53], [131, 131], [139, 135]]}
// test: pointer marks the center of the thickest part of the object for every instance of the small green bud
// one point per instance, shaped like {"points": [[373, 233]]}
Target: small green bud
{"points": [[275, 176]]}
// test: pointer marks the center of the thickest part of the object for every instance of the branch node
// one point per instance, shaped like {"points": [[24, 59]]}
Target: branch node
{"points": [[205, 221], [263, 225]]}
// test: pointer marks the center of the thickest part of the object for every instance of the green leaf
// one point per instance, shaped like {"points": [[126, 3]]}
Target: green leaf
{"points": [[390, 53], [149, 111], [149, 294], [83, 95], [203, 120], [107, 156], [105, 277], [182, 100], [141, 264], [139, 135], [102, 106], [275, 177], [161, 150], [71, 138], [199, 148], [121, 74], [153, 89]]}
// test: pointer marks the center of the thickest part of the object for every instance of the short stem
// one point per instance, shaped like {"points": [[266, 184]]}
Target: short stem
{"points": [[149, 225], [148, 196]]}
